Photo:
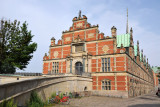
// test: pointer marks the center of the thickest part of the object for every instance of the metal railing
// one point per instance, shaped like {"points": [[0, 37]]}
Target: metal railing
{"points": [[27, 74]]}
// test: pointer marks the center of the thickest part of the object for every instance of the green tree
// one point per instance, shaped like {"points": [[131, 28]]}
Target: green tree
{"points": [[16, 46]]}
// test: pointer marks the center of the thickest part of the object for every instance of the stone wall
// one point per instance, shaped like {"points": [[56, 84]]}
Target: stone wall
{"points": [[45, 86], [111, 93]]}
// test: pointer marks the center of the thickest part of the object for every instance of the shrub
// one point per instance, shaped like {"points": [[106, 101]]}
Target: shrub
{"points": [[9, 103], [61, 95], [35, 100], [53, 95]]}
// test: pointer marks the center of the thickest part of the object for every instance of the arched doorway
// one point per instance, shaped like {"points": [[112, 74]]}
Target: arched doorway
{"points": [[78, 68]]}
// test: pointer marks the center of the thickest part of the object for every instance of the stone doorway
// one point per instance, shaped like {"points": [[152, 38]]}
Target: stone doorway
{"points": [[78, 68]]}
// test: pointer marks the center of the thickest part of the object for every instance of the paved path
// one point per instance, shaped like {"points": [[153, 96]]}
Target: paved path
{"points": [[150, 100]]}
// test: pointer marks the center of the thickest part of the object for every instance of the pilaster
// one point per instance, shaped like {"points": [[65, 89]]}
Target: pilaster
{"points": [[70, 65], [83, 64], [115, 81]]}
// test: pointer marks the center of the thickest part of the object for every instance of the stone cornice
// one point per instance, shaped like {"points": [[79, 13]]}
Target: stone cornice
{"points": [[138, 64], [99, 40], [84, 19], [89, 55], [79, 30]]}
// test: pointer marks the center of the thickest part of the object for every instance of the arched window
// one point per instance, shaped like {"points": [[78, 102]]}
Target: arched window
{"points": [[78, 68], [106, 84]]}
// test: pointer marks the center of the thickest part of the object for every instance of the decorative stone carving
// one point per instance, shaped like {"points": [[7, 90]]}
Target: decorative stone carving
{"points": [[105, 48], [121, 51], [84, 56], [68, 39], [78, 39], [90, 35], [79, 25], [55, 54]]}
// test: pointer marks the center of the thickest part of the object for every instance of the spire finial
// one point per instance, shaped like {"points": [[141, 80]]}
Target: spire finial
{"points": [[79, 13], [142, 51], [127, 22], [138, 46]]}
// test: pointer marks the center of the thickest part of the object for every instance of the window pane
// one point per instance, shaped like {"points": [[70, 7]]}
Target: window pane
{"points": [[106, 88], [106, 85], [102, 69], [108, 59], [102, 60], [102, 87], [109, 83], [105, 60], [108, 69], [109, 87], [81, 69], [105, 64], [105, 82], [105, 69]]}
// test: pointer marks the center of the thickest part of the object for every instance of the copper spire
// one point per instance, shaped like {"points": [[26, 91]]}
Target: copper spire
{"points": [[127, 22], [79, 13]]}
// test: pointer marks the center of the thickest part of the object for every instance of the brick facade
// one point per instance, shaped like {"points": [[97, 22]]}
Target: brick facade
{"points": [[84, 50]]}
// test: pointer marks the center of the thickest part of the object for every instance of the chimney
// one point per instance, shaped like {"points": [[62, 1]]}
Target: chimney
{"points": [[53, 41], [114, 31]]}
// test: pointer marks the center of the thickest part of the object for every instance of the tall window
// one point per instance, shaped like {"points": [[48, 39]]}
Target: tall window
{"points": [[105, 64], [55, 67], [78, 68], [106, 85]]}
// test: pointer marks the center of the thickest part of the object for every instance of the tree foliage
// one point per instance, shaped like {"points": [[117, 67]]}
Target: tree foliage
{"points": [[16, 46]]}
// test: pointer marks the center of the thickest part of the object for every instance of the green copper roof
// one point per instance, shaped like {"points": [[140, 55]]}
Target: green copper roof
{"points": [[156, 69], [140, 57], [135, 50], [123, 39]]}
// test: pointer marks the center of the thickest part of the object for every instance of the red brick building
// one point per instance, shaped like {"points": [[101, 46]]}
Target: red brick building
{"points": [[117, 66]]}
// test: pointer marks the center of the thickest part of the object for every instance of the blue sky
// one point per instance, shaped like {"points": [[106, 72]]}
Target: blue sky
{"points": [[48, 18]]}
